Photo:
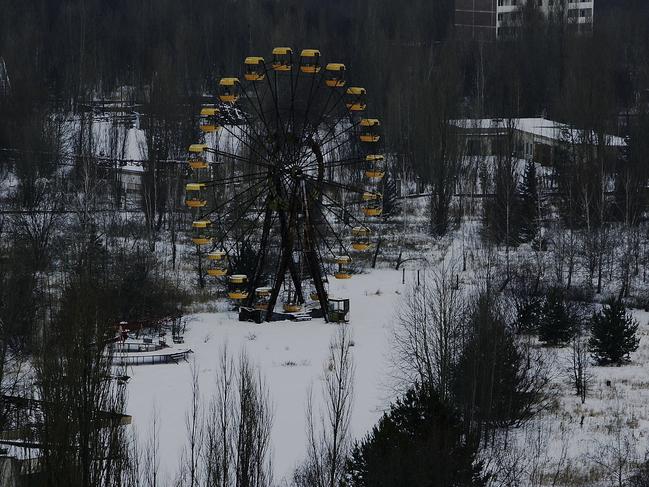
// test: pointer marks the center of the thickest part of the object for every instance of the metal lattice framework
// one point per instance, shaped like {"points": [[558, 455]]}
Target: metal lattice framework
{"points": [[286, 181]]}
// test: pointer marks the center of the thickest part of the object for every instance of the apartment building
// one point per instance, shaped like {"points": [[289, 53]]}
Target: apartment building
{"points": [[486, 20]]}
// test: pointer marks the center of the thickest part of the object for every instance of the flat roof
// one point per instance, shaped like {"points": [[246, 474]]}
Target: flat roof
{"points": [[536, 126]]}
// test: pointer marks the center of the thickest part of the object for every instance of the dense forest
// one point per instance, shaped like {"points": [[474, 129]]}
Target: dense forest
{"points": [[559, 264]]}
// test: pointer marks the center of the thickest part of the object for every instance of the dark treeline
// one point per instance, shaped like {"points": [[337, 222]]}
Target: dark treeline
{"points": [[419, 74], [68, 49]]}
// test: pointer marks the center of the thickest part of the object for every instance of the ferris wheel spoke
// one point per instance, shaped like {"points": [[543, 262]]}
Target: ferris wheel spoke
{"points": [[273, 93], [330, 134], [322, 237], [293, 92], [257, 137], [324, 114], [338, 185], [242, 141], [248, 232], [350, 161], [247, 204], [234, 179], [245, 159], [318, 119], [260, 101], [309, 102], [269, 218], [321, 261], [344, 212], [335, 135], [333, 232], [234, 198], [259, 112]]}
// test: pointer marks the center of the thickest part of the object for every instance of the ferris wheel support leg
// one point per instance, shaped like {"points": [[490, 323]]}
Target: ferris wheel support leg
{"points": [[263, 251], [312, 257], [277, 285], [288, 249], [296, 280], [314, 270]]}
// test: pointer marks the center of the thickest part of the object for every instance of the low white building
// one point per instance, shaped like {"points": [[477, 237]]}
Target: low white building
{"points": [[536, 139]]}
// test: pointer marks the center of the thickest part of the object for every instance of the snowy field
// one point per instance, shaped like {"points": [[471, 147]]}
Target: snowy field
{"points": [[291, 357], [566, 445]]}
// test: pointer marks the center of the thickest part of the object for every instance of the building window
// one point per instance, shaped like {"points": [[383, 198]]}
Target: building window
{"points": [[473, 147]]}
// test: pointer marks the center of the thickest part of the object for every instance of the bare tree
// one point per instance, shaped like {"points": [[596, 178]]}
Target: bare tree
{"points": [[217, 453], [189, 470], [237, 428], [80, 422], [328, 433], [151, 456], [526, 460], [429, 330], [254, 420], [617, 455], [579, 364]]}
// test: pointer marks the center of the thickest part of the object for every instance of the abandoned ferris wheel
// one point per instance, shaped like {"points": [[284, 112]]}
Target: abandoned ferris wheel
{"points": [[285, 184]]}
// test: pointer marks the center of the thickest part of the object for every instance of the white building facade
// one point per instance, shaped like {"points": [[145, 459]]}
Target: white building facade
{"points": [[578, 13], [486, 20]]}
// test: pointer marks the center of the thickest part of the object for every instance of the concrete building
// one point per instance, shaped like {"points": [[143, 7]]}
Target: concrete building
{"points": [[543, 142], [476, 19], [486, 20], [536, 139]]}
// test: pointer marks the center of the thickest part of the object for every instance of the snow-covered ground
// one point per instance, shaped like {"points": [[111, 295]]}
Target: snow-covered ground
{"points": [[291, 357]]}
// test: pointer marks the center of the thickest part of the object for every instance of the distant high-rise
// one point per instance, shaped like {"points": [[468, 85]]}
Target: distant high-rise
{"points": [[476, 19], [490, 19]]}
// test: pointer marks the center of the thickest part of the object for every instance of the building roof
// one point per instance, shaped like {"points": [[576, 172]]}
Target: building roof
{"points": [[540, 127]]}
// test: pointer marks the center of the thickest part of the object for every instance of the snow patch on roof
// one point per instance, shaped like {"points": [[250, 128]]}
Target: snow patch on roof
{"points": [[539, 127]]}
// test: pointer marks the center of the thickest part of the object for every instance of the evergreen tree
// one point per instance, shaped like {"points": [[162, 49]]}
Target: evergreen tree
{"points": [[391, 200], [529, 204], [418, 443], [528, 315], [558, 320], [613, 334], [497, 383]]}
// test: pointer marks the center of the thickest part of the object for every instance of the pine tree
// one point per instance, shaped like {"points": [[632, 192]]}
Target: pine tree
{"points": [[529, 204], [559, 321], [497, 383], [528, 315], [418, 443], [613, 334], [391, 201]]}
